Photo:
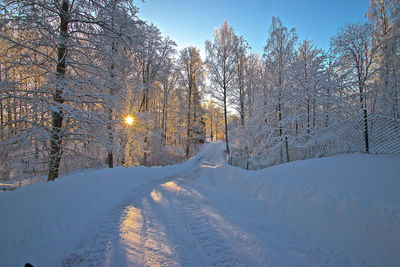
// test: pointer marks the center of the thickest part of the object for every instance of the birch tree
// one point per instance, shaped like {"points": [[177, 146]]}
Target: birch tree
{"points": [[220, 60], [240, 48]]}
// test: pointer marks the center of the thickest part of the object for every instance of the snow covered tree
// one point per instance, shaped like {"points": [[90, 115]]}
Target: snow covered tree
{"points": [[168, 81], [384, 16], [278, 55], [240, 48], [252, 81], [354, 47], [307, 75], [221, 66], [214, 119], [192, 68], [333, 91], [155, 50], [63, 48]]}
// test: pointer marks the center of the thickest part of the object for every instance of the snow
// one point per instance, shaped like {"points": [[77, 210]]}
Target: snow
{"points": [[341, 210]]}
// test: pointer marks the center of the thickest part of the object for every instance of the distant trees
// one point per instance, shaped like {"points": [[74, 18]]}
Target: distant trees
{"points": [[214, 119]]}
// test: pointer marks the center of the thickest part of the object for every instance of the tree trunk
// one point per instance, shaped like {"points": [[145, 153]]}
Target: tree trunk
{"points": [[189, 130], [57, 115], [226, 123], [280, 113], [308, 115], [1, 110], [211, 128], [242, 106], [110, 155], [241, 92], [164, 124]]}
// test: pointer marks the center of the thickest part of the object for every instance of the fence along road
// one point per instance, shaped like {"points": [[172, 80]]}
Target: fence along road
{"points": [[380, 135]]}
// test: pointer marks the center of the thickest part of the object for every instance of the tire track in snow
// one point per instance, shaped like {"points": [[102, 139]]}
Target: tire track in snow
{"points": [[199, 241], [132, 232], [212, 248]]}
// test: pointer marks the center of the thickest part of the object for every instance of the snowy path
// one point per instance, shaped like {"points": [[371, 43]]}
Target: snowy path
{"points": [[336, 211], [194, 219]]}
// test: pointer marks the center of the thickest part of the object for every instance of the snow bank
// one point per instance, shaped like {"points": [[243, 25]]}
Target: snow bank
{"points": [[42, 223], [349, 203]]}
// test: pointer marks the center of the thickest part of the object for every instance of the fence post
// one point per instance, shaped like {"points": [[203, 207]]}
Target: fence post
{"points": [[247, 162], [366, 131], [287, 149]]}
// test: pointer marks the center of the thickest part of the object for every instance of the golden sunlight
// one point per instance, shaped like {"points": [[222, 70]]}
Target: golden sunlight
{"points": [[129, 120], [171, 186], [156, 196]]}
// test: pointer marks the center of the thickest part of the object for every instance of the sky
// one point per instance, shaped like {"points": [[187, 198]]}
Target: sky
{"points": [[191, 22]]}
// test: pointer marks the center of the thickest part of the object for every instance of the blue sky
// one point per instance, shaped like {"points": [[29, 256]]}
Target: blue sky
{"points": [[191, 22]]}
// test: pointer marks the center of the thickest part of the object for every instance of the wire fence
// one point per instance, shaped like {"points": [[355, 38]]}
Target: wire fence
{"points": [[370, 133]]}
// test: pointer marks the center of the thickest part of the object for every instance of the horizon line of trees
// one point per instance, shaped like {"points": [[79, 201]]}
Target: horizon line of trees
{"points": [[71, 71]]}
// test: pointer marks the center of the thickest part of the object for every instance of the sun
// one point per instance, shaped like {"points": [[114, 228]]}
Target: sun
{"points": [[129, 120]]}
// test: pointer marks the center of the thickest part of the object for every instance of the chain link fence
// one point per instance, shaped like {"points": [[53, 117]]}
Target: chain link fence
{"points": [[373, 134]]}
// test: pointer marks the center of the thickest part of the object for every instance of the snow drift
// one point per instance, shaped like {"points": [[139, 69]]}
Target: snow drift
{"points": [[348, 202]]}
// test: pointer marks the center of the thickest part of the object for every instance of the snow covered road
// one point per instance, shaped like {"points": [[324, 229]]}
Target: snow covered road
{"points": [[192, 219], [337, 211]]}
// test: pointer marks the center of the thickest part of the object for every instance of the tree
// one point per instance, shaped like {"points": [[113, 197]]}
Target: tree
{"points": [[252, 82], [168, 82], [278, 55], [354, 47], [307, 71], [220, 60], [384, 16], [333, 90], [240, 47], [192, 68], [64, 50], [152, 57], [214, 120]]}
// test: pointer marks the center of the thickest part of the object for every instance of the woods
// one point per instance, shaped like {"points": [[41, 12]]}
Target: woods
{"points": [[300, 87], [72, 71]]}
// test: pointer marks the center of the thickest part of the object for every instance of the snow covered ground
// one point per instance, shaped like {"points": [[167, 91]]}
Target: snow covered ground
{"points": [[342, 210]]}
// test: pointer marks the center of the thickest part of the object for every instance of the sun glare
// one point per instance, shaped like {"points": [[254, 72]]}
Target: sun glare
{"points": [[129, 120]]}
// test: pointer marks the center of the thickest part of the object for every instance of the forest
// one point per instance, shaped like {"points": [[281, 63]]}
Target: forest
{"points": [[88, 84]]}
